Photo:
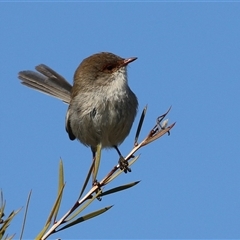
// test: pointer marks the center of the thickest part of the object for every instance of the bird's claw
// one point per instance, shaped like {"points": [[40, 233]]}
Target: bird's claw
{"points": [[123, 165], [96, 183]]}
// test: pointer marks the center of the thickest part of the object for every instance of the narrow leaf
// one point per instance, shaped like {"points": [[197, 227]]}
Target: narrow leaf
{"points": [[25, 214], [39, 236], [48, 222], [58, 199], [120, 188], [60, 187], [83, 206], [6, 223], [140, 125], [87, 179], [2, 207], [86, 217]]}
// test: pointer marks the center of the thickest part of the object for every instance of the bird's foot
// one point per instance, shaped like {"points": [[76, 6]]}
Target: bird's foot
{"points": [[96, 183], [123, 164]]}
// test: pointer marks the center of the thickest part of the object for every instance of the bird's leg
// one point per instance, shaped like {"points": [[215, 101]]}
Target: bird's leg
{"points": [[94, 180], [123, 164]]}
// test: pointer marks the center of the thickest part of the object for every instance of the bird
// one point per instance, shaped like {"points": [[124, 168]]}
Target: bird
{"points": [[102, 107]]}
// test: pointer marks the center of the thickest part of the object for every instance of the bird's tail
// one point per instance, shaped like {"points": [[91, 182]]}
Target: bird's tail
{"points": [[47, 81]]}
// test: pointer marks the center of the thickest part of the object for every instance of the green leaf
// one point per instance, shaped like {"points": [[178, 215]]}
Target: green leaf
{"points": [[140, 124], [60, 187], [120, 188], [25, 215], [6, 223], [52, 213], [87, 179], [83, 206], [2, 207], [86, 217], [43, 231]]}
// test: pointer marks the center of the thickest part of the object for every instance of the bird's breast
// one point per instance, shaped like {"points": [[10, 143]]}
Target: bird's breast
{"points": [[103, 115]]}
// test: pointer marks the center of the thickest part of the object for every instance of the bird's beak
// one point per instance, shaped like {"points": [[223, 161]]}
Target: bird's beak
{"points": [[128, 60]]}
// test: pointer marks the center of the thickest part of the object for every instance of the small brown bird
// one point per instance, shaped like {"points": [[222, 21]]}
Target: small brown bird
{"points": [[102, 107]]}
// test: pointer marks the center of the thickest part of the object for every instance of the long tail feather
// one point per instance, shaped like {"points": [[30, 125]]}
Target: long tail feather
{"points": [[48, 82]]}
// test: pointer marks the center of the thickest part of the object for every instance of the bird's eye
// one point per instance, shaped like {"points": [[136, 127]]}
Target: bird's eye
{"points": [[109, 67]]}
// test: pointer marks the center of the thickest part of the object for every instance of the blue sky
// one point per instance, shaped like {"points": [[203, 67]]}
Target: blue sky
{"points": [[188, 57]]}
